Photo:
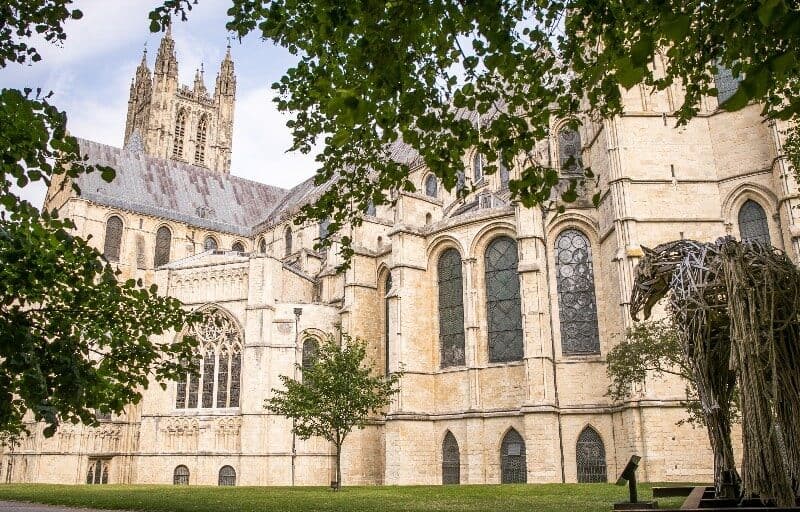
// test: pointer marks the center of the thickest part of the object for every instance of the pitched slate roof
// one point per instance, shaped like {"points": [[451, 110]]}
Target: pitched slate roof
{"points": [[177, 191]]}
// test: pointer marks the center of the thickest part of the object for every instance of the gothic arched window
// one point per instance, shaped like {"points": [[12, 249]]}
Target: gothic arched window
{"points": [[753, 226], [287, 240], [237, 247], [181, 475], [387, 288], [113, 240], [504, 175], [220, 363], [569, 151], [477, 168], [227, 476], [200, 150], [431, 186], [310, 350], [210, 244], [503, 306], [451, 309], [590, 457], [577, 306], [451, 460], [513, 464], [460, 181], [725, 83], [180, 134], [262, 246], [163, 242]]}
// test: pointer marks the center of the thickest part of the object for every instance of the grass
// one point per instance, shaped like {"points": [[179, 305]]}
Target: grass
{"points": [[464, 498]]}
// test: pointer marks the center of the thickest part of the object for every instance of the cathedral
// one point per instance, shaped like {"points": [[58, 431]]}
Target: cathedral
{"points": [[500, 316]]}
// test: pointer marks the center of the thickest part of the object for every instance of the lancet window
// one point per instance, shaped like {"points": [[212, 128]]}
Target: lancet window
{"points": [[503, 305], [431, 186], [180, 134], [219, 362], [210, 244], [591, 457], [569, 151], [163, 242], [287, 240], [451, 309], [451, 460], [200, 150], [513, 461], [577, 305], [113, 241], [477, 168]]}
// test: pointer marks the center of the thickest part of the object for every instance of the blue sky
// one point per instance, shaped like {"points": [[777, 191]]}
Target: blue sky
{"points": [[90, 77]]}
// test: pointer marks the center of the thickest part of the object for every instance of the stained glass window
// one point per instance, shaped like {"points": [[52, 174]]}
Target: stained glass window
{"points": [[220, 364], [577, 305], [236, 375], [181, 475], [210, 244], [503, 307], [208, 377], [163, 242], [451, 460], [180, 133], [569, 151], [200, 150], [310, 349], [227, 476], [753, 226], [222, 377], [725, 83], [386, 289], [431, 186], [451, 309], [113, 239], [591, 457], [287, 240], [513, 464], [237, 247], [477, 168]]}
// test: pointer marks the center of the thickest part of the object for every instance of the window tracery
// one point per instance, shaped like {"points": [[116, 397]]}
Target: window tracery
{"points": [[753, 225], [725, 83], [200, 150], [451, 460], [163, 242], [569, 151], [504, 175], [591, 457], [237, 247], [113, 241], [577, 305], [220, 343], [310, 351], [504, 313], [180, 133], [227, 476], [210, 244], [451, 309], [513, 460], [181, 475]]}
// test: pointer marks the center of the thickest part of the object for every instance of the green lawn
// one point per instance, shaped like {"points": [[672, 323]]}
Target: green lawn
{"points": [[464, 498]]}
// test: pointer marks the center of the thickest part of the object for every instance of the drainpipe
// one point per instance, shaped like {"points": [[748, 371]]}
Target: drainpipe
{"points": [[297, 313], [553, 346]]}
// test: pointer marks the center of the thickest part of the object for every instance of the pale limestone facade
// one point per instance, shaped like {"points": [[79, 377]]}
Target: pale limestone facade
{"points": [[657, 182]]}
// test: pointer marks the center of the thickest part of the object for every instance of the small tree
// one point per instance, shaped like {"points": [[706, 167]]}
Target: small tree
{"points": [[337, 393], [653, 346]]}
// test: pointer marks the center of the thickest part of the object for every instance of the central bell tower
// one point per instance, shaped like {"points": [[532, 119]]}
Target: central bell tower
{"points": [[178, 122]]}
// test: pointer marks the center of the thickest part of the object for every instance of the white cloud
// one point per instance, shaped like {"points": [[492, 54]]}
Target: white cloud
{"points": [[260, 141]]}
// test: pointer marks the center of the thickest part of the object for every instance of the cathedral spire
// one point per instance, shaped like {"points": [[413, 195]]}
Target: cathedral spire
{"points": [[226, 79], [199, 82], [166, 62], [143, 71]]}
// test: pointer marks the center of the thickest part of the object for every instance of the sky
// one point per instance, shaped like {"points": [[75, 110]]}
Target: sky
{"points": [[90, 77]]}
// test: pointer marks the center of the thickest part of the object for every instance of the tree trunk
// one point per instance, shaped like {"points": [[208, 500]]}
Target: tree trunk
{"points": [[338, 466]]}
